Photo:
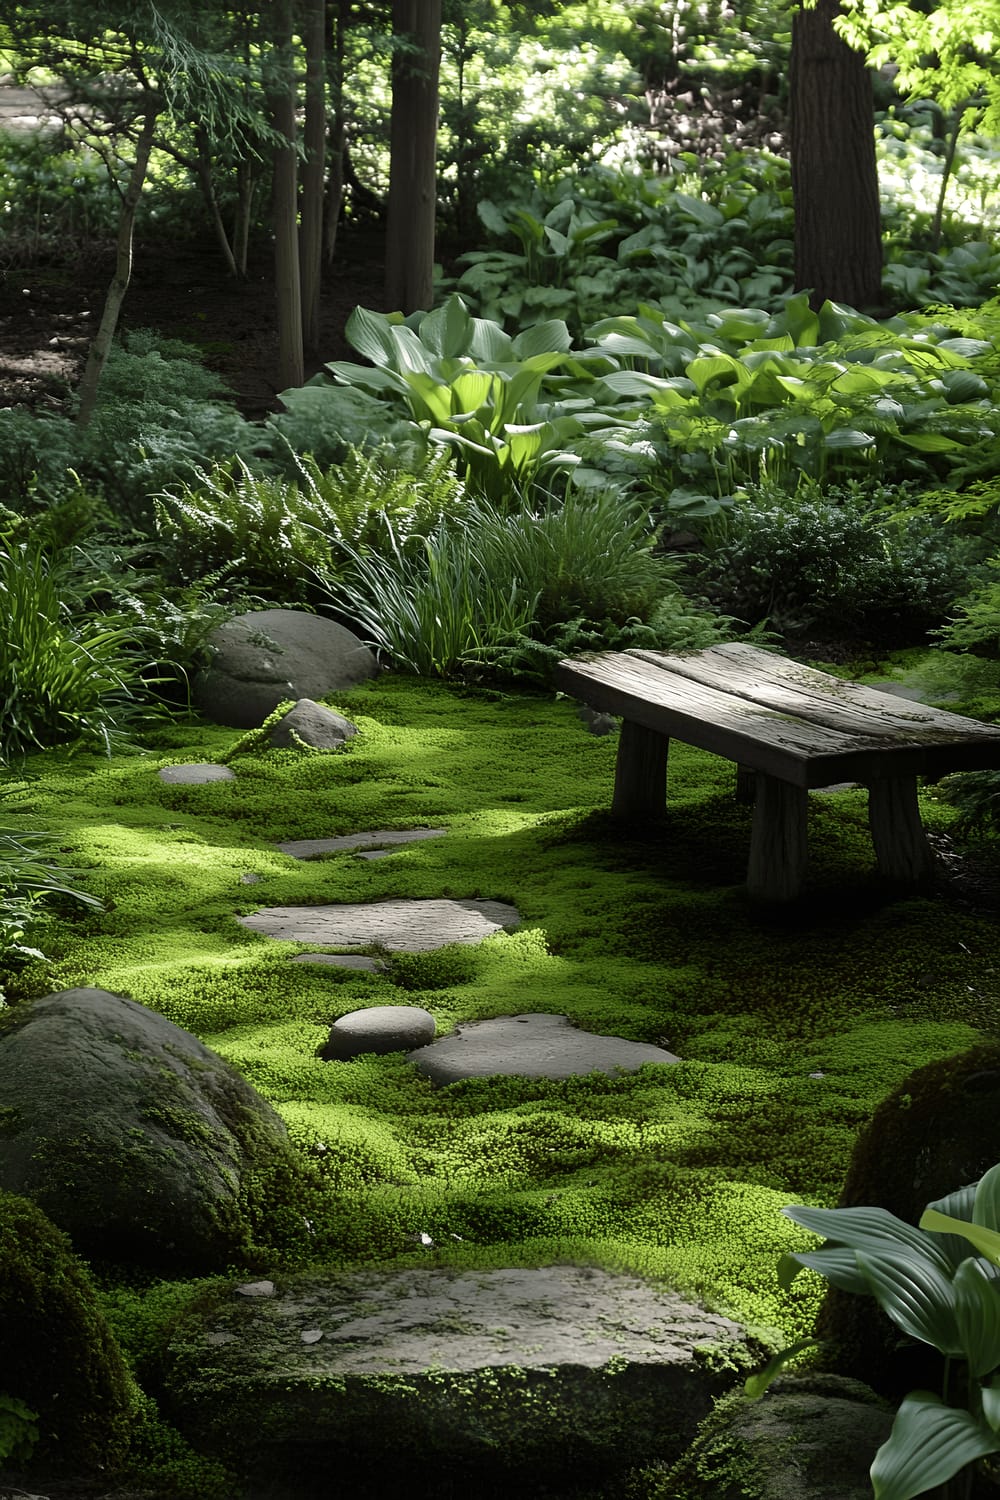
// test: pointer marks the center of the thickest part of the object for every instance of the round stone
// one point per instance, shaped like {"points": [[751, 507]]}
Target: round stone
{"points": [[380, 1028]]}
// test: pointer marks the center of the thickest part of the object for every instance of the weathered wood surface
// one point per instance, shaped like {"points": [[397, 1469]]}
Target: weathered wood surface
{"points": [[777, 717], [778, 850], [640, 773]]}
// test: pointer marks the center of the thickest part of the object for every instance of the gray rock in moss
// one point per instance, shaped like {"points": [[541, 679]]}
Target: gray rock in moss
{"points": [[430, 1381], [127, 1132], [806, 1439], [311, 725], [263, 657]]}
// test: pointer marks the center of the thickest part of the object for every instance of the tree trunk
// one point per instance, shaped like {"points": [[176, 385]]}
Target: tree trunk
{"points": [[838, 231], [313, 171], [284, 204], [101, 347], [203, 167], [338, 132], [409, 258]]}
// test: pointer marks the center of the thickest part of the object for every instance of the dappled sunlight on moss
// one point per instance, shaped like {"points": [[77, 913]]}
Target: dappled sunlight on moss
{"points": [[791, 1025]]}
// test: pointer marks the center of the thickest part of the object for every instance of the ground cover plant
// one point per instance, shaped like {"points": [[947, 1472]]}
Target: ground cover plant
{"points": [[789, 1030]]}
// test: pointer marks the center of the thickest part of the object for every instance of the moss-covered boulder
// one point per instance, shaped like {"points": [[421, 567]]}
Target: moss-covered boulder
{"points": [[131, 1135], [433, 1381], [806, 1439], [937, 1131], [57, 1354]]}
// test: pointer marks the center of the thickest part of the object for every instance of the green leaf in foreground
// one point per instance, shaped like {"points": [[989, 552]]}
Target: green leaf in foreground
{"points": [[928, 1444]]}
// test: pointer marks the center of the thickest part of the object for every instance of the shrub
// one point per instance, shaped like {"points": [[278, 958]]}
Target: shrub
{"points": [[56, 1346], [838, 557], [37, 453], [159, 415]]}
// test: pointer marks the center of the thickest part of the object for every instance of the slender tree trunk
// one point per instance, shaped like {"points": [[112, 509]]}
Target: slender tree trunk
{"points": [[313, 171], [204, 171], [101, 347], [946, 170], [838, 232], [284, 203], [409, 259], [338, 134]]}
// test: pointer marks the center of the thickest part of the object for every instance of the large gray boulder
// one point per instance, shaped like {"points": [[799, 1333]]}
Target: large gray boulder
{"points": [[806, 1439], [127, 1132], [432, 1381], [268, 655]]}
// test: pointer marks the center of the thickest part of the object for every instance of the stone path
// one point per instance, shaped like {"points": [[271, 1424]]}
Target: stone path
{"points": [[531, 1046], [401, 926]]}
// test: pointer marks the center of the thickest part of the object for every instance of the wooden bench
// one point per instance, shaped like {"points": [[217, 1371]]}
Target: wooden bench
{"points": [[788, 728]]}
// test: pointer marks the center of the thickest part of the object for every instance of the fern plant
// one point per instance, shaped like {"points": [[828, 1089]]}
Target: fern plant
{"points": [[274, 535]]}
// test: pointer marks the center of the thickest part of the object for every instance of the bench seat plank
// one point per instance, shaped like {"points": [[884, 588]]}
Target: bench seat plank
{"points": [[666, 694], [789, 687]]}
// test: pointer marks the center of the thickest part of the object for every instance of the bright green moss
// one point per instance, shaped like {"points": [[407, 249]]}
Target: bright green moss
{"points": [[675, 1172]]}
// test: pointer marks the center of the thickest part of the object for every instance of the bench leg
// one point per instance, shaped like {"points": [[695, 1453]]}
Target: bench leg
{"points": [[746, 784], [640, 773], [778, 853], [901, 846]]}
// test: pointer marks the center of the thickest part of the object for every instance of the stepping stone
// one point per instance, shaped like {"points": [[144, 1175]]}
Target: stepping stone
{"points": [[531, 1046], [341, 961], [381, 1029], [195, 774], [401, 926], [431, 1380], [374, 839]]}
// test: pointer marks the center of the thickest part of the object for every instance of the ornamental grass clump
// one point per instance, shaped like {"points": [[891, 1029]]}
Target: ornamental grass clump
{"points": [[63, 678], [487, 589]]}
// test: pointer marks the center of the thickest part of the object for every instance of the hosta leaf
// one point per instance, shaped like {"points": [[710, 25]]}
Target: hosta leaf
{"points": [[963, 385], [370, 333], [986, 1203], [929, 1443], [740, 324], [550, 337], [977, 1314], [491, 217], [917, 1296], [848, 437], [703, 371], [798, 319], [929, 442], [489, 344], [409, 354], [838, 1265], [448, 329], [874, 1230], [559, 242], [431, 399], [991, 1403], [967, 348], [470, 390], [696, 208], [986, 1241]]}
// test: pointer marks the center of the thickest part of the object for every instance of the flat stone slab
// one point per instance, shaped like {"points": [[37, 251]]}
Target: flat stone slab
{"points": [[401, 926], [379, 1029], [195, 774], [377, 838], [404, 1376], [532, 1046]]}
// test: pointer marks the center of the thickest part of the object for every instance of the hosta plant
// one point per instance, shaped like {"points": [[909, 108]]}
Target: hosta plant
{"points": [[940, 1284]]}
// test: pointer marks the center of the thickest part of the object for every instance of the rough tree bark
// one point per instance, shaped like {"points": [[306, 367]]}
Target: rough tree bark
{"points": [[409, 258], [284, 203], [101, 347], [838, 234], [313, 171]]}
